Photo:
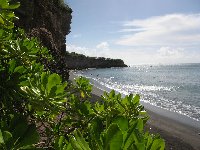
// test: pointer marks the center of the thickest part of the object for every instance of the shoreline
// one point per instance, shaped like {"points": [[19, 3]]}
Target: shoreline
{"points": [[178, 131]]}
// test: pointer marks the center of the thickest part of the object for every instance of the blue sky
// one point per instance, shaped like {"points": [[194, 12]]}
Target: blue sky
{"points": [[137, 31]]}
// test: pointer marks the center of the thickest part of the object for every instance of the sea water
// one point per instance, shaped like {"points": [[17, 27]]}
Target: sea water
{"points": [[172, 87]]}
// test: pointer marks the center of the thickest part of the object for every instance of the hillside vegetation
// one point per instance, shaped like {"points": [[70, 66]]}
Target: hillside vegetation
{"points": [[79, 61]]}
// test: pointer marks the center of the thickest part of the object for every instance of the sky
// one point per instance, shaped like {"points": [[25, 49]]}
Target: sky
{"points": [[136, 31]]}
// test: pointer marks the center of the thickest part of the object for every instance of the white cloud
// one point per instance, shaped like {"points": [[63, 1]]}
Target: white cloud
{"points": [[103, 46], [171, 29], [77, 49], [101, 50], [171, 52]]}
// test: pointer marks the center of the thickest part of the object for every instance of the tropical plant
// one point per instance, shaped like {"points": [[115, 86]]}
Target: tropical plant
{"points": [[38, 110], [117, 123]]}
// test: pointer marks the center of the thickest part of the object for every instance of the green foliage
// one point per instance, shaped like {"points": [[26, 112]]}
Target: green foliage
{"points": [[117, 126], [116, 137], [84, 62], [36, 102], [84, 87], [18, 134], [7, 15]]}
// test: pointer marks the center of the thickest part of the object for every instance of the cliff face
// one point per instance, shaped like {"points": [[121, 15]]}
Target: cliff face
{"points": [[48, 20]]}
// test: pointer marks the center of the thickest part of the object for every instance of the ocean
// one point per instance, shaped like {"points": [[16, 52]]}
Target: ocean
{"points": [[171, 87]]}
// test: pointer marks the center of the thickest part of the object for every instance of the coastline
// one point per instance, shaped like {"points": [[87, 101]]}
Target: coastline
{"points": [[178, 131]]}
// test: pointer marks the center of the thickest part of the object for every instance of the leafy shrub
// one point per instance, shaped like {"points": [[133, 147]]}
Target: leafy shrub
{"points": [[117, 123], [39, 110]]}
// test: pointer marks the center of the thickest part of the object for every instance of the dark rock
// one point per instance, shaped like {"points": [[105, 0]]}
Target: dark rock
{"points": [[49, 21]]}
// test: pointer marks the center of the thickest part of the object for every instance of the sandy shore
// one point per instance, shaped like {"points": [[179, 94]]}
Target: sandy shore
{"points": [[178, 131]]}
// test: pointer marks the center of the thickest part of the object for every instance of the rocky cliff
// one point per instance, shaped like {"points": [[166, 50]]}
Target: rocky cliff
{"points": [[48, 20]]}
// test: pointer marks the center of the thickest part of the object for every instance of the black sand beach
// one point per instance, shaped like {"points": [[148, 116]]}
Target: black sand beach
{"points": [[179, 132]]}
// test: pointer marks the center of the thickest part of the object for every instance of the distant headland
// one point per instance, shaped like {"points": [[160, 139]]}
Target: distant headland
{"points": [[80, 61]]}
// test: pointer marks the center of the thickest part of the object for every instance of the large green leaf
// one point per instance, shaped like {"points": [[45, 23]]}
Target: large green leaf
{"points": [[61, 89], [20, 69], [112, 94], [140, 146], [10, 14], [14, 6], [4, 4], [7, 136], [53, 80], [140, 125], [131, 136], [12, 64], [130, 97], [129, 139], [44, 80], [1, 20], [61, 142], [114, 138], [136, 99], [75, 144], [125, 101], [68, 147], [84, 145], [122, 122], [158, 144], [84, 85], [78, 142], [58, 143]]}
